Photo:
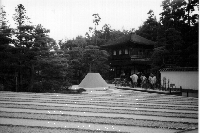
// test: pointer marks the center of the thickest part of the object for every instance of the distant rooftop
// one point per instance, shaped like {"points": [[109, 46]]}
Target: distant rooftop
{"points": [[129, 38], [180, 69]]}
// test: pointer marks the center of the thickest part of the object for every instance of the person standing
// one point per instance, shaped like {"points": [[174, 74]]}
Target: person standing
{"points": [[134, 78], [122, 76], [151, 80], [144, 81], [139, 81], [154, 81]]}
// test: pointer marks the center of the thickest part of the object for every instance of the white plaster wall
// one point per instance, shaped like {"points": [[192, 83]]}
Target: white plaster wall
{"points": [[186, 79]]}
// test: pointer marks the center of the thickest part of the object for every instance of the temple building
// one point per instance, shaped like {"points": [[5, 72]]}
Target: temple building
{"points": [[130, 54]]}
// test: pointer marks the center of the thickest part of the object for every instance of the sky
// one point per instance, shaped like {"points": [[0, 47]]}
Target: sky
{"points": [[67, 19]]}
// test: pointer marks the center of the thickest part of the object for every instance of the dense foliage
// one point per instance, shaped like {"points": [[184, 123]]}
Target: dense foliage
{"points": [[30, 60], [27, 61], [176, 34]]}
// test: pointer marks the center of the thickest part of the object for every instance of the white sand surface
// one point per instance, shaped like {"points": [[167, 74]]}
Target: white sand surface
{"points": [[90, 126], [123, 100], [103, 115], [116, 99], [97, 106]]}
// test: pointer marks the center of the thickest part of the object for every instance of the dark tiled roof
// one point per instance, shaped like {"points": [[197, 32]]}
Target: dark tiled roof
{"points": [[180, 69], [121, 40], [130, 37], [141, 40]]}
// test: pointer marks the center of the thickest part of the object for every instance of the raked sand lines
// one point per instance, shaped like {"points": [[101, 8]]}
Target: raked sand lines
{"points": [[108, 111]]}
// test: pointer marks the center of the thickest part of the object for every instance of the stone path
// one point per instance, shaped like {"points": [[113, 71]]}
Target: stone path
{"points": [[98, 111]]}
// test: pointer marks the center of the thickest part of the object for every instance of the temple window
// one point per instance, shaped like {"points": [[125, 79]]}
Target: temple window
{"points": [[120, 52], [140, 52], [126, 51], [114, 52]]}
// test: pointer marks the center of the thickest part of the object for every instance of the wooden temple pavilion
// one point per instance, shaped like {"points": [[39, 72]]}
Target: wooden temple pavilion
{"points": [[130, 54]]}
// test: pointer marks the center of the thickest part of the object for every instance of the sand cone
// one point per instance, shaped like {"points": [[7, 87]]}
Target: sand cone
{"points": [[93, 81]]}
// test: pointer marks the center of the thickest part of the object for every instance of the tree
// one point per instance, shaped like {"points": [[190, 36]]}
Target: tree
{"points": [[23, 43], [178, 19], [41, 51], [33, 46], [7, 60], [169, 40], [20, 16], [100, 37], [76, 65], [67, 45], [95, 60], [106, 29], [84, 58], [158, 56], [5, 30], [96, 22], [179, 14], [190, 31], [173, 44], [52, 72], [149, 29], [173, 14], [79, 42], [190, 8]]}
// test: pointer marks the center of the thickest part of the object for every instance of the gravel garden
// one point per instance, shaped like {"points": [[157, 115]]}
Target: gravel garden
{"points": [[108, 111]]}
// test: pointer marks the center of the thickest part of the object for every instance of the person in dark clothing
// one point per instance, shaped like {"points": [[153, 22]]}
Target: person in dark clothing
{"points": [[122, 76], [144, 81], [123, 79], [139, 80]]}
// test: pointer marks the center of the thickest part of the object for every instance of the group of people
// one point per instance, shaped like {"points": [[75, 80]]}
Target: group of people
{"points": [[140, 80]]}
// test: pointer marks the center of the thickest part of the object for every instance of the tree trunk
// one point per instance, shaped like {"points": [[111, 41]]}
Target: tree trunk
{"points": [[20, 78], [30, 86], [16, 81]]}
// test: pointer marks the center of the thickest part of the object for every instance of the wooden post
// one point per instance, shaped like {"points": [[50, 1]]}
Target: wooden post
{"points": [[168, 85], [16, 85], [181, 90]]}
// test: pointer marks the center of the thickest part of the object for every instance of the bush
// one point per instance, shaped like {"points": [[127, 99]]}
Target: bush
{"points": [[50, 86], [80, 90], [1, 87], [37, 87]]}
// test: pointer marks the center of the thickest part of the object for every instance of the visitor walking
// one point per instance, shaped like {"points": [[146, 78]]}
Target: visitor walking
{"points": [[151, 81], [122, 76], [154, 81], [144, 81], [139, 79], [134, 78]]}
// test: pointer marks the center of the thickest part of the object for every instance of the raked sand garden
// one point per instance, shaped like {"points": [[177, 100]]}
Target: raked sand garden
{"points": [[110, 111]]}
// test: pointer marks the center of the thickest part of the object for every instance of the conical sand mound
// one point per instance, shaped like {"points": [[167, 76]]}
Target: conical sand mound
{"points": [[93, 80]]}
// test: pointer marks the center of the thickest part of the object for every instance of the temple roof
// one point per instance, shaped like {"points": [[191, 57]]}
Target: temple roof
{"points": [[129, 38], [180, 69]]}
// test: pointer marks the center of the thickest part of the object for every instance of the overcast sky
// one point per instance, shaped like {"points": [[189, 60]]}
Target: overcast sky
{"points": [[67, 19]]}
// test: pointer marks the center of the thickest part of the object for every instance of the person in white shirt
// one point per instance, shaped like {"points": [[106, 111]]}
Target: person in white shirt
{"points": [[134, 78], [152, 81]]}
